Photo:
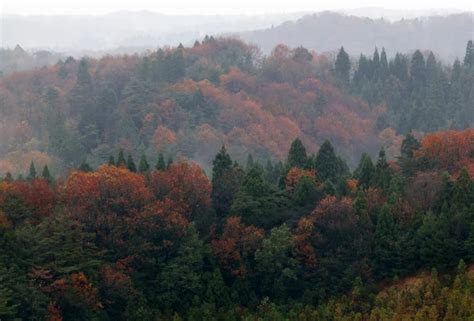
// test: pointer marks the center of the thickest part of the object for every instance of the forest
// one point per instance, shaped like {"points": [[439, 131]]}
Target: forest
{"points": [[215, 183]]}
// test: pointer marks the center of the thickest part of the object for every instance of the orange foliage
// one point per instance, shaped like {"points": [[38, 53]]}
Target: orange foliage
{"points": [[236, 243], [162, 137], [235, 81], [295, 174], [104, 196], [352, 185], [451, 149], [54, 312], [305, 252], [186, 185], [38, 196]]}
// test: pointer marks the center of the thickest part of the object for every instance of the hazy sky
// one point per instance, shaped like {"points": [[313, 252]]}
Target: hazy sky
{"points": [[212, 7]]}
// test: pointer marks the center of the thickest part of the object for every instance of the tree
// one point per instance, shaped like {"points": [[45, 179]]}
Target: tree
{"points": [[46, 174], [365, 172], [407, 159], [143, 166], [131, 164], [111, 161], [160, 164], [328, 165], [276, 264], [342, 67], [297, 155], [32, 172], [226, 180], [386, 251], [383, 172], [469, 56], [121, 162], [85, 167]]}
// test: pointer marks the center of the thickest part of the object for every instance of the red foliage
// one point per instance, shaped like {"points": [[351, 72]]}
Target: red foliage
{"points": [[451, 149], [295, 174], [236, 244], [186, 185], [38, 196], [105, 198]]}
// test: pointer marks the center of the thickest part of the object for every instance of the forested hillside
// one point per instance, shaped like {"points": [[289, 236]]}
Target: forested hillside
{"points": [[189, 101], [327, 31], [303, 239]]}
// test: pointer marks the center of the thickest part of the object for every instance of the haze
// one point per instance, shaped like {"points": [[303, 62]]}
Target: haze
{"points": [[215, 7]]}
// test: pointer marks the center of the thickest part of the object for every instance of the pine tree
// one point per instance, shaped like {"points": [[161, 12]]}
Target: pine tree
{"points": [[160, 164], [143, 166], [383, 172], [131, 164], [32, 172], [365, 172], [386, 252], [46, 174], [343, 67], [328, 165], [297, 155], [225, 182], [111, 161], [463, 193], [469, 57], [85, 167], [121, 162]]}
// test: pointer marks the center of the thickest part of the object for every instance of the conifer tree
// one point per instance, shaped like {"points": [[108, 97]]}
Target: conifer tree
{"points": [[297, 155], [46, 174], [85, 167], [160, 164], [342, 67], [121, 162], [365, 172], [131, 164], [32, 172], [143, 166], [111, 161], [328, 165]]}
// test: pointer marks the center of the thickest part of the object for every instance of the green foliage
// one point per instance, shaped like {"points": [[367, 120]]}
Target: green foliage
{"points": [[297, 155]]}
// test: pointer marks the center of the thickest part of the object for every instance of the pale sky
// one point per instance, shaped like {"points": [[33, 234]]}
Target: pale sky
{"points": [[212, 7]]}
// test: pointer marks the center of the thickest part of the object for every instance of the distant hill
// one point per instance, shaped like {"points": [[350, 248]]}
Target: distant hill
{"points": [[328, 31], [124, 31]]}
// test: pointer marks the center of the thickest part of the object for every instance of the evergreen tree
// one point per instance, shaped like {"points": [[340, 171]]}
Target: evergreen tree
{"points": [[418, 72], [386, 252], [328, 165], [46, 174], [131, 164], [365, 172], [226, 180], [160, 164], [143, 166], [32, 172], [121, 162], [463, 193], [85, 167], [407, 160], [342, 67], [111, 161], [469, 56], [383, 172], [297, 155]]}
